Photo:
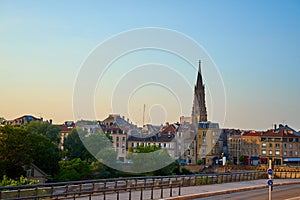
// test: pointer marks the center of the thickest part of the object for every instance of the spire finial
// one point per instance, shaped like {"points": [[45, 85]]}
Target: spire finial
{"points": [[199, 70]]}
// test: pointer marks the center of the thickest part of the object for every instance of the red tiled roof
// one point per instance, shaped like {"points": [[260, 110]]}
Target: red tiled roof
{"points": [[252, 133]]}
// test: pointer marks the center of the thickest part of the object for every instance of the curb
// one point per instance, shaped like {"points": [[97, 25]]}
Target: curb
{"points": [[207, 194]]}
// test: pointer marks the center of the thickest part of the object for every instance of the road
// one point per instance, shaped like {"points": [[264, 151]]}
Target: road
{"points": [[286, 192]]}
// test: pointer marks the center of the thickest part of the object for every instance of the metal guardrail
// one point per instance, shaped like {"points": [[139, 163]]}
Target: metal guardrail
{"points": [[104, 187]]}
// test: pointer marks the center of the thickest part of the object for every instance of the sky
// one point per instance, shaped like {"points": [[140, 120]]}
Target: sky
{"points": [[254, 44]]}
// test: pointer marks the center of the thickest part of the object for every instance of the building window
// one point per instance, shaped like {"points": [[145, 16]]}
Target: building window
{"points": [[284, 153], [277, 153], [270, 152], [204, 133], [264, 152], [117, 139], [124, 131], [117, 145], [291, 146], [291, 153], [264, 145], [277, 145], [270, 145], [204, 141], [30, 172], [284, 146], [284, 139], [296, 153], [123, 138]]}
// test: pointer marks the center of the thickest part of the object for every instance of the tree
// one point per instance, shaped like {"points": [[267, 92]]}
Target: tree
{"points": [[73, 170], [199, 162], [46, 129], [99, 170], [2, 120], [242, 159], [75, 148], [45, 154], [14, 150], [19, 147], [150, 157], [80, 144]]}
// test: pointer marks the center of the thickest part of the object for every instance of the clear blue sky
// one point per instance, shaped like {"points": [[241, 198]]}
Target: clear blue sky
{"points": [[255, 45]]}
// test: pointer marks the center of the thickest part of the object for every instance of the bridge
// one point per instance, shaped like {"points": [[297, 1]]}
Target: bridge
{"points": [[155, 187]]}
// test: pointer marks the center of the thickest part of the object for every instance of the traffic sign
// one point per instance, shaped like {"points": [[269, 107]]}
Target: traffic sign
{"points": [[270, 171], [270, 182]]}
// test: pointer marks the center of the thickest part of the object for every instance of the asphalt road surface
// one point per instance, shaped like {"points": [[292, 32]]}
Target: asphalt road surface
{"points": [[286, 192]]}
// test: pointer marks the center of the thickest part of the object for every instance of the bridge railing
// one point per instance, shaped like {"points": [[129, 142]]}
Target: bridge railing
{"points": [[115, 186]]}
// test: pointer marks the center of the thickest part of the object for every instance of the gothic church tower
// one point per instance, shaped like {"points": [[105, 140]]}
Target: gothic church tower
{"points": [[199, 113]]}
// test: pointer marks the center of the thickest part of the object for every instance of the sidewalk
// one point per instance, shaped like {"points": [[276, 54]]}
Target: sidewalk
{"points": [[226, 188], [196, 191]]}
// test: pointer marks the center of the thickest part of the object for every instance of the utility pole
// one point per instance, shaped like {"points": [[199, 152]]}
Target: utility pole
{"points": [[270, 181], [144, 115]]}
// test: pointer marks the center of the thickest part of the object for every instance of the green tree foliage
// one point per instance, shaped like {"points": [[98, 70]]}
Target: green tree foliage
{"points": [[15, 150], [45, 154], [44, 128], [107, 156], [74, 147], [152, 156], [99, 170], [242, 159], [199, 162], [20, 147], [80, 144], [146, 149], [73, 170], [22, 181]]}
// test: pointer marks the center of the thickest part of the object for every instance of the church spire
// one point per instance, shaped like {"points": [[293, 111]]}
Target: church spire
{"points": [[199, 113], [199, 82]]}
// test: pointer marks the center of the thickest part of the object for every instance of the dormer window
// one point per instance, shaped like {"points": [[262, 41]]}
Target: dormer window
{"points": [[169, 134]]}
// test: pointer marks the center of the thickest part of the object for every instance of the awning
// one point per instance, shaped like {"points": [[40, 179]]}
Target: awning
{"points": [[291, 160]]}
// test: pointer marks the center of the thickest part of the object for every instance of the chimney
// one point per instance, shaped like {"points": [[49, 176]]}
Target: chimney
{"points": [[50, 121], [167, 124], [275, 126]]}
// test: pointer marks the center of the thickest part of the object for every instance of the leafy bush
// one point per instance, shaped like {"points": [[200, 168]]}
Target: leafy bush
{"points": [[186, 171], [22, 181], [199, 162]]}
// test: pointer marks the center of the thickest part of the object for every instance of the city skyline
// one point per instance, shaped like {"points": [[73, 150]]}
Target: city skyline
{"points": [[254, 45]]}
